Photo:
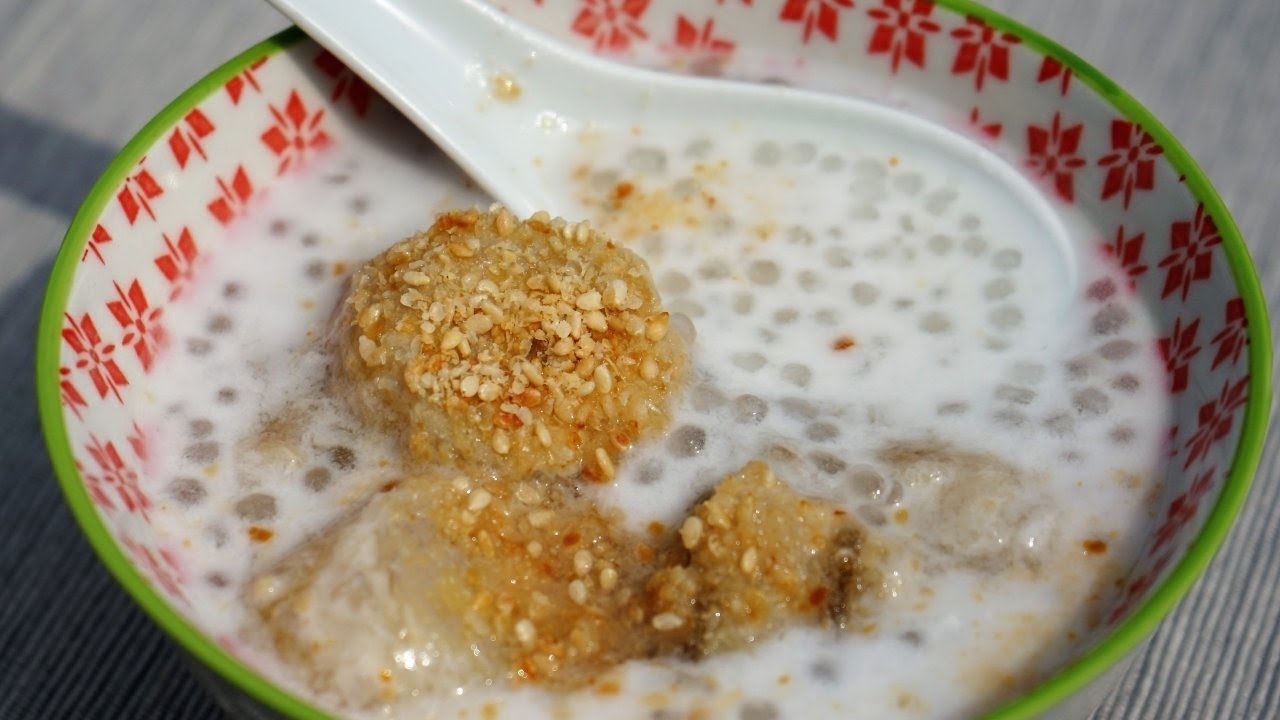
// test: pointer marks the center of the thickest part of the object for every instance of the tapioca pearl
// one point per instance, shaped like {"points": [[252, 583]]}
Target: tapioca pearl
{"points": [[904, 303], [687, 441], [935, 322], [309, 240], [974, 245], [906, 223], [257, 507], [750, 409], [872, 515], [1027, 372], [721, 224], [801, 153], [318, 478], [1072, 457], [342, 457], [749, 361], [1126, 383], [825, 671], [798, 408], [1059, 424], [216, 535], [685, 187], [763, 272], [970, 222], [315, 269], [796, 374], [1110, 320], [810, 281], [831, 163], [909, 184], [359, 204], [864, 293], [278, 227], [785, 316], [767, 335], [950, 409], [649, 472], [1121, 435], [1015, 394], [674, 282], [706, 397], [687, 307], [233, 291], [758, 710], [1080, 367], [646, 160], [683, 326], [937, 202], [227, 395], [822, 432], [219, 324], [940, 244], [201, 453], [998, 289], [766, 154], [715, 269], [1009, 417], [1090, 402], [743, 302], [1100, 290], [653, 244], [200, 428], [865, 169], [995, 344], [838, 256], [799, 235], [604, 180], [217, 580], [867, 483], [1005, 317], [827, 463], [698, 148], [826, 316], [1117, 350], [186, 491], [864, 211], [1006, 259]]}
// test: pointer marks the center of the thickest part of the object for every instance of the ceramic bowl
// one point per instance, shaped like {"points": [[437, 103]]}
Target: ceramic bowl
{"points": [[169, 195]]}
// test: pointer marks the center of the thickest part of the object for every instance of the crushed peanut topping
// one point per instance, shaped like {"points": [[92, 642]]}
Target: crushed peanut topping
{"points": [[509, 346]]}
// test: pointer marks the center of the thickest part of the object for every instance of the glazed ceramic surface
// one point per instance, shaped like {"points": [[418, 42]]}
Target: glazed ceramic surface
{"points": [[246, 129]]}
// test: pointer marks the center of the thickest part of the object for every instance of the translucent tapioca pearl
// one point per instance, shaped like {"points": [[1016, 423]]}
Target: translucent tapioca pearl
{"points": [[686, 441], [201, 453], [1014, 394], [1090, 402], [935, 322], [257, 507], [1006, 259], [750, 409], [186, 491], [909, 184], [646, 160], [766, 154]]}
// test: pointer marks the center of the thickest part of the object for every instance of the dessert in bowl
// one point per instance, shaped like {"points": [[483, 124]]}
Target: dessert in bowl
{"points": [[1033, 391]]}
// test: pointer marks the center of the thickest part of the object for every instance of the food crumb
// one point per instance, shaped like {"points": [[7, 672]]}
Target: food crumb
{"points": [[842, 343], [1094, 546], [260, 534]]}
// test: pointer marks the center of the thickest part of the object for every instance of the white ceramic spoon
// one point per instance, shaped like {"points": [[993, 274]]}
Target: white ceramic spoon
{"points": [[507, 103]]}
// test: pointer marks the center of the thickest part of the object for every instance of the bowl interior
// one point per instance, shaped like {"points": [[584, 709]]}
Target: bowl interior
{"points": [[173, 192]]}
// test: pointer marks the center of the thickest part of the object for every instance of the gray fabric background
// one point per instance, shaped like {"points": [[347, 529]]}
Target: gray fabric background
{"points": [[78, 77]]}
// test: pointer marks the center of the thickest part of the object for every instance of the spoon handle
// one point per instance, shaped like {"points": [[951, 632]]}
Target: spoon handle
{"points": [[479, 84]]}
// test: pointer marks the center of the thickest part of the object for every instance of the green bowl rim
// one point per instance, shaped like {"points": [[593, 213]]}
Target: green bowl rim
{"points": [[1123, 639]]}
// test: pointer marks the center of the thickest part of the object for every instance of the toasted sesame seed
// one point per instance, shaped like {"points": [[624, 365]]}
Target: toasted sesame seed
{"points": [[470, 385], [489, 392], [691, 532], [750, 559], [605, 463], [655, 327], [608, 579], [589, 300], [582, 562], [649, 368], [539, 518], [480, 500], [543, 433], [501, 443], [595, 320], [460, 249], [603, 378], [578, 592], [526, 633], [663, 622], [534, 548], [452, 338], [478, 324], [416, 278]]}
